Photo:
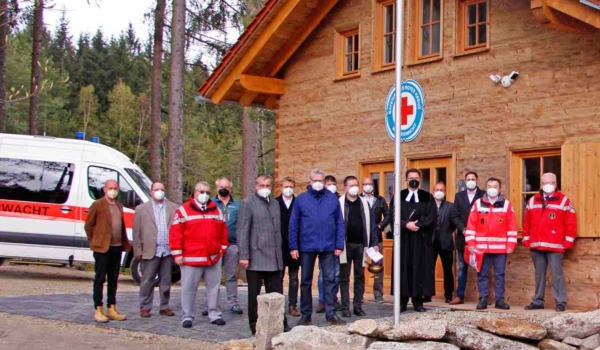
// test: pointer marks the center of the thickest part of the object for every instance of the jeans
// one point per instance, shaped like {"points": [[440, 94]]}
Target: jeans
{"points": [[273, 281], [498, 262], [107, 265], [328, 262], [294, 284], [354, 256], [447, 263], [337, 281], [463, 271]]}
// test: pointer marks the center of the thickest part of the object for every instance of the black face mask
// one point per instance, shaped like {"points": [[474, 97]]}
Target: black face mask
{"points": [[223, 192], [413, 183]]}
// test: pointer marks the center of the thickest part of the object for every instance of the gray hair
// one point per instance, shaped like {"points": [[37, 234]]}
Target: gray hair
{"points": [[201, 183], [552, 175], [316, 171], [224, 178], [263, 177]]}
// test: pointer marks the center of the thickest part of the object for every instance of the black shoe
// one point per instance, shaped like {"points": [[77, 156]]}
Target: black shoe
{"points": [[560, 307], [286, 328], [305, 321], [346, 313], [253, 330], [187, 324], [205, 313], [403, 308], [336, 321], [320, 308], [500, 304], [338, 306], [419, 308], [219, 322], [358, 311], [448, 300], [482, 305], [427, 299], [533, 306]]}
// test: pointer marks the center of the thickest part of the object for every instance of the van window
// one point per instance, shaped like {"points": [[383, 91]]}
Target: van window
{"points": [[35, 180], [97, 176], [141, 180]]}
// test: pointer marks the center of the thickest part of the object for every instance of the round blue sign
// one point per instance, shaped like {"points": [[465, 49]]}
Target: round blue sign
{"points": [[412, 111]]}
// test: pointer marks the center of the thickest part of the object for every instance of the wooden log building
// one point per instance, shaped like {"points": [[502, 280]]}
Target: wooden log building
{"points": [[326, 67]]}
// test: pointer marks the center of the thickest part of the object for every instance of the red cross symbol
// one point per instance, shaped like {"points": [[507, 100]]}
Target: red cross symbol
{"points": [[406, 110]]}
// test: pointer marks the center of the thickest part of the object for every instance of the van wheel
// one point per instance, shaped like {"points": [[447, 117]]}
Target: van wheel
{"points": [[136, 271], [175, 274], [2, 261]]}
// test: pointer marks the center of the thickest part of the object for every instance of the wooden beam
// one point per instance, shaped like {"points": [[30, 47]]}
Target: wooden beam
{"points": [[271, 102], [262, 85], [289, 49], [576, 10], [247, 98], [273, 25]]}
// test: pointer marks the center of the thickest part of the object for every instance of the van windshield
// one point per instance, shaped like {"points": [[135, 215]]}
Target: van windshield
{"points": [[141, 180]]}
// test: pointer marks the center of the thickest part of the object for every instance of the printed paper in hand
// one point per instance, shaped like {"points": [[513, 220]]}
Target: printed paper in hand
{"points": [[374, 255]]}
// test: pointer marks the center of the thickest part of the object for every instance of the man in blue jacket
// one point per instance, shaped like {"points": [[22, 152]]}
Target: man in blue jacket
{"points": [[317, 229]]}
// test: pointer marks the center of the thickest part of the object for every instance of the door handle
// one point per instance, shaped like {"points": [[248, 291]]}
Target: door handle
{"points": [[65, 209], [86, 211]]}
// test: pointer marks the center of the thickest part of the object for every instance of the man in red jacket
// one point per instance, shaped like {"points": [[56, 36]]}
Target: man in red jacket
{"points": [[198, 240], [550, 227], [492, 229]]}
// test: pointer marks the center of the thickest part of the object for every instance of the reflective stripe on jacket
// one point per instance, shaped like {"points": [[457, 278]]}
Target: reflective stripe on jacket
{"points": [[492, 228]]}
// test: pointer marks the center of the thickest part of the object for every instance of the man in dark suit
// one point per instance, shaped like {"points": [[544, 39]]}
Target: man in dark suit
{"points": [[462, 207], [286, 203], [443, 244]]}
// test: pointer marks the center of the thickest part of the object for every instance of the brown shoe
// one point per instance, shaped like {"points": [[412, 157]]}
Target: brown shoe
{"points": [[113, 314], [167, 312], [457, 301], [99, 315], [144, 313], [293, 311]]}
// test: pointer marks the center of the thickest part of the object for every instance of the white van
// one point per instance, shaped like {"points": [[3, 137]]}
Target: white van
{"points": [[47, 186]]}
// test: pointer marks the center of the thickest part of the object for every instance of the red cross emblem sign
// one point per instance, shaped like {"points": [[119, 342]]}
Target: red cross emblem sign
{"points": [[412, 111]]}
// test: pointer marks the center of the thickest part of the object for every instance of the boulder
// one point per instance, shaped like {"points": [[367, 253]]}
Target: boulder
{"points": [[591, 342], [580, 325], [315, 338], [370, 328], [417, 330], [270, 319], [474, 339], [573, 341], [426, 345], [512, 327], [549, 344], [239, 344]]}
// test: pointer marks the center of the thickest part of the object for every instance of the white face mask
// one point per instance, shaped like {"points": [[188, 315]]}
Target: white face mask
{"points": [[353, 191], [439, 195], [203, 198], [112, 194], [471, 184], [332, 188], [159, 194], [288, 192], [492, 192], [264, 192], [549, 188], [368, 189], [317, 186]]}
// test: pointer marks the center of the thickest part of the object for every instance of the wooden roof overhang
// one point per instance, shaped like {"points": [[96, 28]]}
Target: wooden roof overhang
{"points": [[568, 15]]}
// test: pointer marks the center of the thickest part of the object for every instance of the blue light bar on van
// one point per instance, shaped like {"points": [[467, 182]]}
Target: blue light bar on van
{"points": [[80, 135], [95, 139]]}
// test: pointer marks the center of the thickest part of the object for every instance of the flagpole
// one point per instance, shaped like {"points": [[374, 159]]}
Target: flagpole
{"points": [[397, 157]]}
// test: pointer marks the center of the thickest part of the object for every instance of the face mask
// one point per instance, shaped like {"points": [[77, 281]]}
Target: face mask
{"points": [[353, 191], [492, 192], [159, 195], [471, 184], [264, 192], [202, 198], [112, 194], [548, 188], [223, 192], [439, 195], [317, 186], [288, 192], [368, 189], [413, 184], [332, 188]]}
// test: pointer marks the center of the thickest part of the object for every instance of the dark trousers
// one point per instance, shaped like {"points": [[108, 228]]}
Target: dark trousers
{"points": [[498, 261], [150, 268], [354, 256], [447, 262], [273, 281], [417, 301], [107, 266], [327, 263], [463, 272], [294, 284]]}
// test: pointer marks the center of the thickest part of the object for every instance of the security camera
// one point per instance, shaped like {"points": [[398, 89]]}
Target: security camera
{"points": [[507, 80], [495, 78]]}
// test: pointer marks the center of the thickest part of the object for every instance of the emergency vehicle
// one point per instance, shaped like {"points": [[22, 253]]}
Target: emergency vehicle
{"points": [[47, 186]]}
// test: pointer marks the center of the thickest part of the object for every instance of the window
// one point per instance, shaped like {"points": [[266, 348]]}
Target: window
{"points": [[473, 26], [347, 46], [384, 35], [35, 180], [429, 28], [97, 176], [141, 180]]}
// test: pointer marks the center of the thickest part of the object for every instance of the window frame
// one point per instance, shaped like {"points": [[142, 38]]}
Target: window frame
{"points": [[340, 41], [462, 47], [377, 54], [120, 177], [417, 25]]}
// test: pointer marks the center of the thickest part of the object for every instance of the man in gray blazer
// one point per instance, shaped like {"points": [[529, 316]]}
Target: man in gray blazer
{"points": [[259, 241], [151, 246]]}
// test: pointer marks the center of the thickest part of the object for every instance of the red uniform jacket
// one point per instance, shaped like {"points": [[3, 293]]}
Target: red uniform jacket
{"points": [[549, 224], [199, 236], [492, 228]]}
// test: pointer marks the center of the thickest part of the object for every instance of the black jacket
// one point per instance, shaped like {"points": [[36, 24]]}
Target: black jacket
{"points": [[285, 224], [446, 225], [381, 212], [462, 209], [374, 231]]}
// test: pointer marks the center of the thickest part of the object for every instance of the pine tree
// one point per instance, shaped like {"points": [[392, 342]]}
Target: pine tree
{"points": [[159, 23], [36, 67]]}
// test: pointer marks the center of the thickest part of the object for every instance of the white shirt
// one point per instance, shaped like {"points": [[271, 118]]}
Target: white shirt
{"points": [[288, 202], [471, 195], [412, 193], [371, 199]]}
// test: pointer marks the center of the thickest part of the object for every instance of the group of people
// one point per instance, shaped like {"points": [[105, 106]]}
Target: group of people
{"points": [[209, 236]]}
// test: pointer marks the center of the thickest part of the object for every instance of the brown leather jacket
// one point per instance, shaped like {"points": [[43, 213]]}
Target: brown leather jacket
{"points": [[98, 227]]}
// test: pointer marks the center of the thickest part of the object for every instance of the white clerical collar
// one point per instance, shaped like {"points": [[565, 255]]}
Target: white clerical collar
{"points": [[410, 195]]}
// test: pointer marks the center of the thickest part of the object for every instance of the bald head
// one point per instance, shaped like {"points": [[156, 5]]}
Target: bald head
{"points": [[368, 185], [111, 184]]}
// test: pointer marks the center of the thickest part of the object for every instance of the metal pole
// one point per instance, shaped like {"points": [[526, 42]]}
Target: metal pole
{"points": [[397, 167]]}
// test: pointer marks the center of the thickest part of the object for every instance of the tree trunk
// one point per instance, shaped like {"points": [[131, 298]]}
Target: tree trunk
{"points": [[3, 34], [175, 141], [159, 24], [36, 84], [262, 147], [249, 153]]}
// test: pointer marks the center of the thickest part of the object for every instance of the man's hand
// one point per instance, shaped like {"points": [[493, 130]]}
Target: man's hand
{"points": [[471, 250], [376, 248], [244, 263], [337, 252], [179, 260], [412, 226], [509, 251], [138, 257], [295, 255]]}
